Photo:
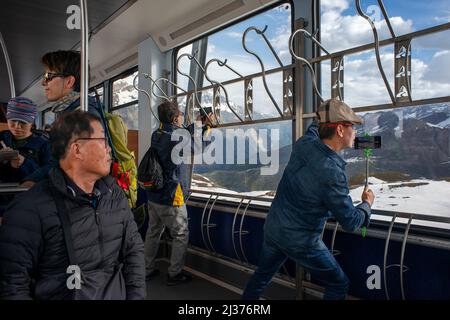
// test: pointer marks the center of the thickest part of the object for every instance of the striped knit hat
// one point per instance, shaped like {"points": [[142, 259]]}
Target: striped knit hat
{"points": [[21, 109]]}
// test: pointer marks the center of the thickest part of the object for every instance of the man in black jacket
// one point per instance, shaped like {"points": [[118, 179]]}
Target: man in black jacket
{"points": [[34, 260]]}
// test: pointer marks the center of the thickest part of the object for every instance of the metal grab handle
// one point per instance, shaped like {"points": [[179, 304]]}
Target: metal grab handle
{"points": [[402, 257], [386, 17], [214, 82], [233, 232], [241, 232], [145, 92], [306, 62], [166, 97], [334, 252], [84, 75], [209, 225], [266, 87], [8, 67], [191, 57], [377, 49], [201, 222], [386, 247]]}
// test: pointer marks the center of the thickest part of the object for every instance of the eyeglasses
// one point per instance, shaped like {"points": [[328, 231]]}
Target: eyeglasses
{"points": [[105, 139], [49, 76]]}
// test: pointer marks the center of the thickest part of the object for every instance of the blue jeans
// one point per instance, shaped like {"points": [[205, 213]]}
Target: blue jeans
{"points": [[319, 262]]}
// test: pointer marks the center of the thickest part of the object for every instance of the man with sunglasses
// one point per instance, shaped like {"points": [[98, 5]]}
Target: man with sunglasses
{"points": [[61, 81], [312, 189], [34, 250]]}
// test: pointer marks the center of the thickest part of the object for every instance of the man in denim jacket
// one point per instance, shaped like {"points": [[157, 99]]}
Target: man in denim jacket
{"points": [[312, 189]]}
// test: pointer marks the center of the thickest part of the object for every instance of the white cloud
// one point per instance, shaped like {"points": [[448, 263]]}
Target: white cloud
{"points": [[341, 32], [339, 5]]}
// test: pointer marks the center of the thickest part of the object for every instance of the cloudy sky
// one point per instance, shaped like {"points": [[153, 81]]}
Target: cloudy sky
{"points": [[341, 28]]}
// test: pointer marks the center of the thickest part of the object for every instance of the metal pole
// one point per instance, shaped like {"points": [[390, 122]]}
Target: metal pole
{"points": [[8, 67], [84, 57]]}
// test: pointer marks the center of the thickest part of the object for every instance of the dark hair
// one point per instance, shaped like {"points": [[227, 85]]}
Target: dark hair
{"points": [[66, 62], [167, 111], [68, 126], [326, 132]]}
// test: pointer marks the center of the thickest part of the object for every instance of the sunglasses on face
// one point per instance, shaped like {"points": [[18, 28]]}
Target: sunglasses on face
{"points": [[49, 76]]}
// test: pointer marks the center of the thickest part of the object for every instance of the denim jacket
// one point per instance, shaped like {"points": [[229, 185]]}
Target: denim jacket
{"points": [[312, 189]]}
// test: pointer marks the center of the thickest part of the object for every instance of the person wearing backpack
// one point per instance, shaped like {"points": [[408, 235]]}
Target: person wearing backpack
{"points": [[167, 207]]}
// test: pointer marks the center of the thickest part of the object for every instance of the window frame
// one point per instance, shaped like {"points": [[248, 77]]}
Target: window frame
{"points": [[317, 59], [122, 75]]}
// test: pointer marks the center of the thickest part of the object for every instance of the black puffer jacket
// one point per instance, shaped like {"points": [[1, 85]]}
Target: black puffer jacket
{"points": [[32, 243]]}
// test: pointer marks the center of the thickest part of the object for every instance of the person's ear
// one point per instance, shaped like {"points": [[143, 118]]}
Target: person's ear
{"points": [[74, 150], [340, 130], [70, 82]]}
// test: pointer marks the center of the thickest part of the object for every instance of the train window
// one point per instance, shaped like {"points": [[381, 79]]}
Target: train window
{"points": [[430, 60], [246, 176], [125, 99], [410, 172], [251, 148], [227, 45]]}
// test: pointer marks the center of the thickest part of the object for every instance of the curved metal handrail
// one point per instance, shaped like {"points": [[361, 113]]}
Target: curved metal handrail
{"points": [[166, 97], [306, 62], [386, 247], [208, 225], [214, 82], [8, 67], [243, 232], [402, 257], [233, 232], [334, 252], [84, 74], [191, 57], [386, 17], [266, 87], [377, 49], [201, 223], [145, 92]]}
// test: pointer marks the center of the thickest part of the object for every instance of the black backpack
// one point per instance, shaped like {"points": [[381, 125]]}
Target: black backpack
{"points": [[150, 172]]}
